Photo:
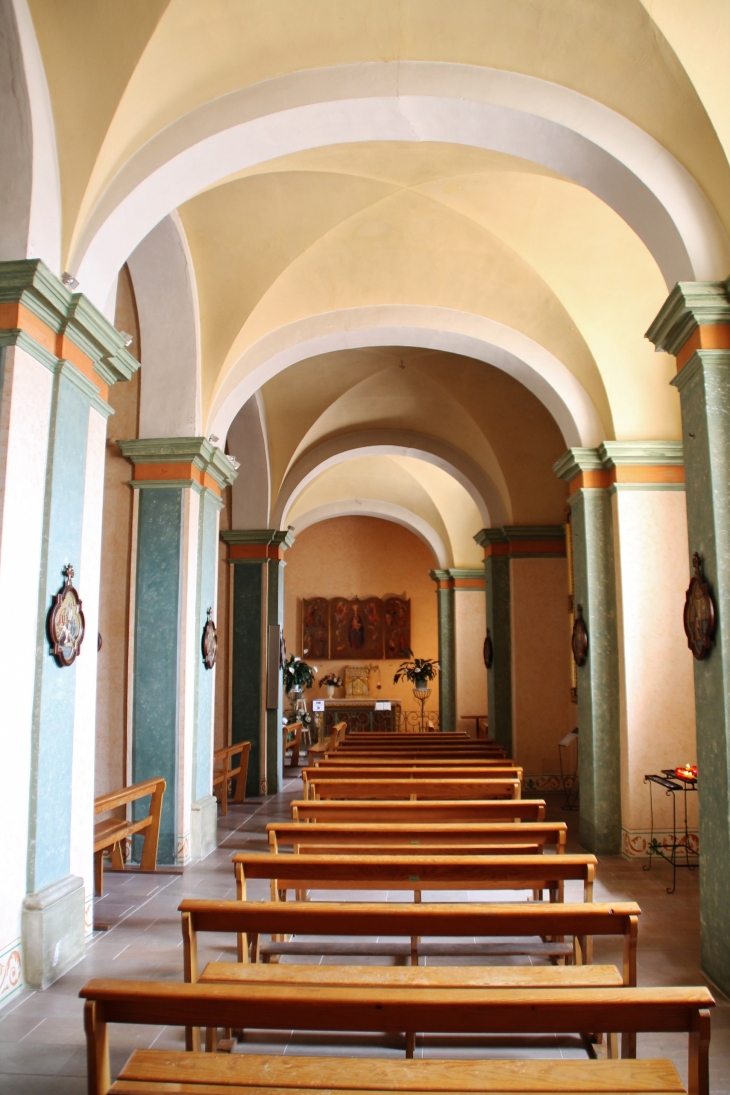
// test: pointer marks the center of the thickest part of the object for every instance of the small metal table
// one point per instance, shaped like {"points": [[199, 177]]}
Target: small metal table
{"points": [[677, 849]]}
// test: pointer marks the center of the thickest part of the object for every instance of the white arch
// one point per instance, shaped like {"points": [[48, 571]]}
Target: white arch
{"points": [[480, 488], [424, 327], [30, 226], [409, 101], [388, 511]]}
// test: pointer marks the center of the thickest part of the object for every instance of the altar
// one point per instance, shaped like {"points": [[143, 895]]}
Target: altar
{"points": [[363, 713]]}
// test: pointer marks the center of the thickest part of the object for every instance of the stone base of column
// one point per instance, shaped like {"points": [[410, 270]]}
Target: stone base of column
{"points": [[53, 931], [203, 827]]}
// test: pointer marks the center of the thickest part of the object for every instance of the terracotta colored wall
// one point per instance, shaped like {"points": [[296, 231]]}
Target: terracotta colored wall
{"points": [[115, 564], [362, 556], [470, 613], [541, 709]]}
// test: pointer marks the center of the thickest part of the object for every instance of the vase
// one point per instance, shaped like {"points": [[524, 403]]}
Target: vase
{"points": [[330, 691], [420, 684]]}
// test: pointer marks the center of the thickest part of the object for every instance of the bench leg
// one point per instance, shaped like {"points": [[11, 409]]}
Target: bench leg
{"points": [[211, 1039], [410, 1044], [628, 1045], [117, 857], [612, 1047], [98, 873]]}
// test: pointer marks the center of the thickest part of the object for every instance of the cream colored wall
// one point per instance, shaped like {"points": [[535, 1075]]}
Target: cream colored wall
{"points": [[470, 626], [655, 665], [541, 709], [111, 688], [361, 556]]}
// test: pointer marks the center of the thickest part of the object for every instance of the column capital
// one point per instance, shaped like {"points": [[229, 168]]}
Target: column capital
{"points": [[522, 541], [638, 464], [690, 305], [36, 303], [460, 579], [182, 461], [257, 543]]}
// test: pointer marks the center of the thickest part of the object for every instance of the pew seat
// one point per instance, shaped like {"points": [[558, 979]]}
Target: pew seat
{"points": [[111, 832], [377, 836], [414, 789], [466, 811]]}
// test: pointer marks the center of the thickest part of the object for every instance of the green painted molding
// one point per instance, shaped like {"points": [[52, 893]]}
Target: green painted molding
{"points": [[613, 454], [197, 451], [641, 453], [68, 370], [690, 304], [466, 572], [29, 282], [282, 539], [575, 461], [622, 488], [16, 337], [490, 536], [510, 534], [698, 361]]}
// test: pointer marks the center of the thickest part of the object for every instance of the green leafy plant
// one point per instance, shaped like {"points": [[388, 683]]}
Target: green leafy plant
{"points": [[417, 670], [298, 675]]}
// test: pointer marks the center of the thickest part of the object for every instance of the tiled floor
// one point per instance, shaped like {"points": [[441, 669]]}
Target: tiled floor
{"points": [[41, 1033]]}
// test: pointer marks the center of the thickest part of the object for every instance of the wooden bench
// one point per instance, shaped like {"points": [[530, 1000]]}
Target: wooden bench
{"points": [[327, 745], [435, 811], [381, 837], [312, 775], [415, 873], [223, 774], [415, 755], [387, 760], [414, 789], [109, 833], [535, 928], [292, 739]]}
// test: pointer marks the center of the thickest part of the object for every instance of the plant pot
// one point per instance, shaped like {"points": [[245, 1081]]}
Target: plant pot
{"points": [[330, 691], [420, 684]]}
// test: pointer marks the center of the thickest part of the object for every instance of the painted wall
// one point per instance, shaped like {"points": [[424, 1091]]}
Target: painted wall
{"points": [[222, 710], [362, 556], [111, 693], [470, 621], [657, 710], [541, 709]]}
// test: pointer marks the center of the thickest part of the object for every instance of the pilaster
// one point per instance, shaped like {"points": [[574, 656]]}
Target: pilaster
{"points": [[177, 484], [58, 356], [694, 325], [257, 620]]}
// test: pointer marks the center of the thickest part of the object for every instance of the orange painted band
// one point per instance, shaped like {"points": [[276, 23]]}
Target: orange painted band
{"points": [[14, 316], [255, 551], [628, 473], [526, 547], [468, 583], [145, 473], [713, 336]]}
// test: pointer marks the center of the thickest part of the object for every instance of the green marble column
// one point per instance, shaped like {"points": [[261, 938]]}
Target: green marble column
{"points": [[703, 383], [499, 627], [256, 556], [598, 683], [447, 648]]}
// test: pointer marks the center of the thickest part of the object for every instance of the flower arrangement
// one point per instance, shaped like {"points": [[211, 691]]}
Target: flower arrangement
{"points": [[418, 670], [298, 674], [331, 680]]}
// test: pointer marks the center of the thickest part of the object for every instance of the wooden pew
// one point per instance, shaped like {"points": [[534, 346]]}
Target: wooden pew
{"points": [[339, 759], [431, 1010], [224, 773], [414, 755], [109, 833], [292, 742], [415, 873], [312, 775], [327, 745], [414, 789], [533, 921], [380, 837], [435, 811]]}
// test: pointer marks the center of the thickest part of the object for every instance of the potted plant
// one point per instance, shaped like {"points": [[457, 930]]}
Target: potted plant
{"points": [[298, 675], [418, 670], [331, 681]]}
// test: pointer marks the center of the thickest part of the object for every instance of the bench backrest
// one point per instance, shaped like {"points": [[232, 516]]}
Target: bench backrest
{"points": [[300, 835], [437, 1010], [154, 787], [415, 788], [338, 760], [465, 810]]}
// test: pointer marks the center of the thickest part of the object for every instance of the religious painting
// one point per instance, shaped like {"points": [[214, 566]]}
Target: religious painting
{"points": [[579, 640], [357, 680], [66, 624], [699, 613], [315, 628], [397, 631], [356, 627], [209, 642]]}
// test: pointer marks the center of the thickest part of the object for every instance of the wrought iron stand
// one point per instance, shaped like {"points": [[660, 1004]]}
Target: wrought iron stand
{"points": [[671, 784]]}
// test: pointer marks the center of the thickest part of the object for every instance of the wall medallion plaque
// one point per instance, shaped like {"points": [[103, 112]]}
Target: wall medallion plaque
{"points": [[488, 651], [209, 644], [699, 613], [579, 641], [66, 624]]}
